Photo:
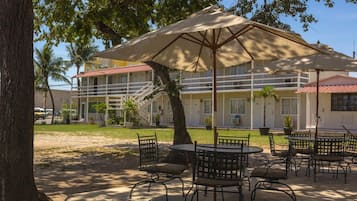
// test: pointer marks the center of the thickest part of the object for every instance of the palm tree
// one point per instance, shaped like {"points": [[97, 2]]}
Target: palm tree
{"points": [[80, 53], [48, 66], [266, 92]]}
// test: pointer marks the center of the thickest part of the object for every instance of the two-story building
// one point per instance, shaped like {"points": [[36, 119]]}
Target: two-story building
{"points": [[113, 82]]}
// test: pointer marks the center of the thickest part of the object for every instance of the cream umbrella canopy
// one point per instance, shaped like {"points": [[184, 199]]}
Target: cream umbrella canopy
{"points": [[207, 39]]}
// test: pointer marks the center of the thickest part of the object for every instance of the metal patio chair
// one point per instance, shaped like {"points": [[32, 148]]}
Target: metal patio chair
{"points": [[303, 146], [281, 156], [159, 172], [218, 170], [329, 152], [237, 141]]}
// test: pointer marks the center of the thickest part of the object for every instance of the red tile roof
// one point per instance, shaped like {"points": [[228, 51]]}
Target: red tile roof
{"points": [[334, 84], [111, 71]]}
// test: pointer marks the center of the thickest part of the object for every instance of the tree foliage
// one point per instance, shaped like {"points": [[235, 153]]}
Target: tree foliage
{"points": [[117, 21], [48, 66], [114, 21]]}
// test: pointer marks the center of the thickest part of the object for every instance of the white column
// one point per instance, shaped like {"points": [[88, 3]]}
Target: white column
{"points": [[87, 105], [190, 109], [308, 111], [298, 100], [106, 101], [223, 109], [127, 93], [70, 103], [251, 94]]}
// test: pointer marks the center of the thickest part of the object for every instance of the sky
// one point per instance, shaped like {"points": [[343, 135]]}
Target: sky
{"points": [[336, 27]]}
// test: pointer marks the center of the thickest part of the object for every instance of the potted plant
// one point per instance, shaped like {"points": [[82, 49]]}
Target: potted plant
{"points": [[100, 109], [288, 125], [208, 123], [266, 92], [132, 113]]}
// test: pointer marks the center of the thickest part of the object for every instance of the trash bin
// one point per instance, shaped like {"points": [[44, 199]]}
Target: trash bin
{"points": [[236, 120]]}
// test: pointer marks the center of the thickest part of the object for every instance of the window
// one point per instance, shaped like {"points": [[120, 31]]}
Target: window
{"points": [[344, 102], [207, 106], [237, 70], [238, 106], [289, 106]]}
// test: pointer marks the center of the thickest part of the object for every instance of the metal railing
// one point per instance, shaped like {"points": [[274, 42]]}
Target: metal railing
{"points": [[225, 83]]}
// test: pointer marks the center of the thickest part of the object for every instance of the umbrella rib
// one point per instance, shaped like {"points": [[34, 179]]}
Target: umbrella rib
{"points": [[208, 44], [240, 32], [195, 39], [199, 53], [287, 38], [218, 35], [166, 46], [241, 44]]}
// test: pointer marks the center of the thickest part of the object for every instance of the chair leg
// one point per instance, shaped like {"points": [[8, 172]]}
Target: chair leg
{"points": [[183, 187], [268, 185], [187, 194], [166, 191]]}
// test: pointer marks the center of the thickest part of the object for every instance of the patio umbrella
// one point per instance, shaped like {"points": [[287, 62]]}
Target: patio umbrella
{"points": [[211, 38], [329, 61]]}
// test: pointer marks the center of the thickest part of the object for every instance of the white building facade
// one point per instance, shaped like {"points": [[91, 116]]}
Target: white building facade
{"points": [[114, 85]]}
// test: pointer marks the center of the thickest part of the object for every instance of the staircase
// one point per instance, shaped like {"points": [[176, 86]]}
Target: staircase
{"points": [[116, 102]]}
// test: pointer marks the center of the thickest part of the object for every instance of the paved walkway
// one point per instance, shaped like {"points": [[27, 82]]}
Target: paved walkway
{"points": [[326, 188]]}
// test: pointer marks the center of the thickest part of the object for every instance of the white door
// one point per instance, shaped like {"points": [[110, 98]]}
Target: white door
{"points": [[258, 113], [195, 113], [270, 115]]}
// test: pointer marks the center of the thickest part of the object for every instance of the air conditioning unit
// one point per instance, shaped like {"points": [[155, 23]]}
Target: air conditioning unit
{"points": [[236, 119]]}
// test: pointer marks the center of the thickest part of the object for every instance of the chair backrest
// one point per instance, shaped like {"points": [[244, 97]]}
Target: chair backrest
{"points": [[330, 146], [351, 144], [301, 144], [148, 149], [234, 140], [213, 164], [271, 143]]}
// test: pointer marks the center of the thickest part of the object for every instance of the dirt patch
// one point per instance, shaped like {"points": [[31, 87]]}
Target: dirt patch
{"points": [[65, 164]]}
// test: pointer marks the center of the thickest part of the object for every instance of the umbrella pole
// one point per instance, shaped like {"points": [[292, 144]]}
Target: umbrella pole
{"points": [[214, 99], [317, 117], [214, 91]]}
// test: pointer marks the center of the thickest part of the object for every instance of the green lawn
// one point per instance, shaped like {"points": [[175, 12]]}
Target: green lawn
{"points": [[164, 134]]}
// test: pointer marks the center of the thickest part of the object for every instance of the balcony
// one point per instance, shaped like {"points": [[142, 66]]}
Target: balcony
{"points": [[242, 82], [225, 83]]}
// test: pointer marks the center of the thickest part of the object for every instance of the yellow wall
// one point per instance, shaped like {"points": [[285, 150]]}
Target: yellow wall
{"points": [[99, 63]]}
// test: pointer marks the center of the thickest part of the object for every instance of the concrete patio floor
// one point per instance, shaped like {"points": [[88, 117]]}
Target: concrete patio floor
{"points": [[326, 188]]}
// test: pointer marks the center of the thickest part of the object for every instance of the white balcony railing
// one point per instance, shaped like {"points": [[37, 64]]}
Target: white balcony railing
{"points": [[241, 82]]}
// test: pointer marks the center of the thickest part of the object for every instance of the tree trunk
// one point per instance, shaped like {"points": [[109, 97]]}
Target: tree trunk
{"points": [[52, 101], [181, 136], [16, 101]]}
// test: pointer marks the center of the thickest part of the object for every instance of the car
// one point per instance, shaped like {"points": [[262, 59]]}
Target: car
{"points": [[39, 113]]}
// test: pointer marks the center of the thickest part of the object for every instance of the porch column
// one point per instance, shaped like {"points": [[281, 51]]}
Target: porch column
{"points": [[106, 101], [298, 100], [70, 104], [223, 108], [190, 123], [87, 97], [251, 94], [308, 111]]}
